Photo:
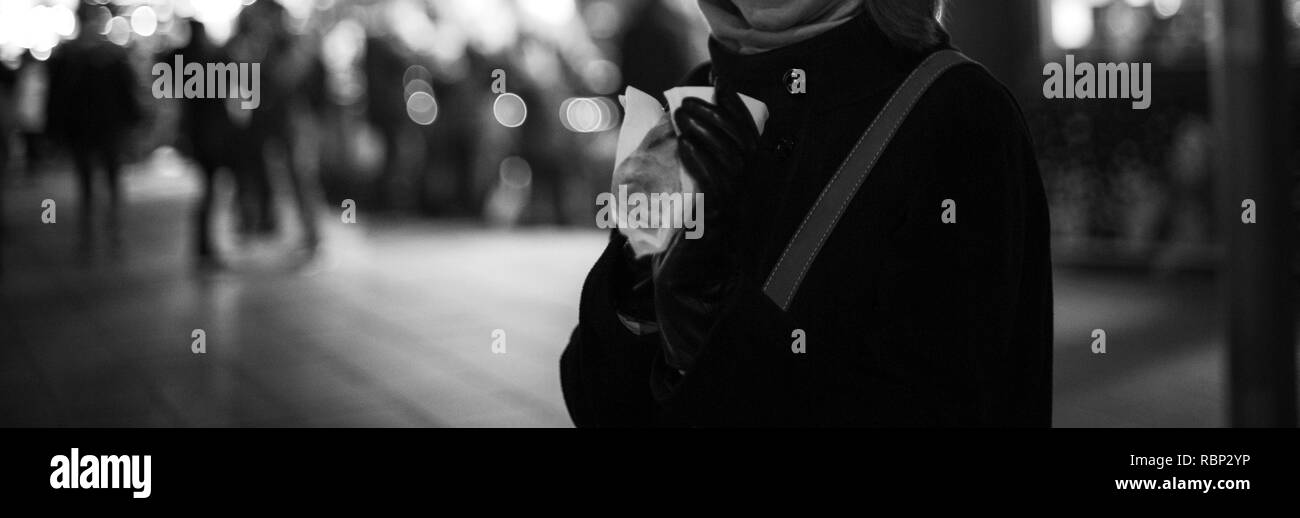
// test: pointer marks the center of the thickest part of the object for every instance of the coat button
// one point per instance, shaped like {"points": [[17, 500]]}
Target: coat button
{"points": [[795, 81], [783, 148]]}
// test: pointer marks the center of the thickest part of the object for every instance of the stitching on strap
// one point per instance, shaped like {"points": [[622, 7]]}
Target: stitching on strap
{"points": [[957, 59]]}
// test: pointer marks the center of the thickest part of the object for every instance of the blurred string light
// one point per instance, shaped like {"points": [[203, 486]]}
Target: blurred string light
{"points": [[490, 25], [421, 106], [509, 198], [217, 16], [416, 77], [602, 76], [411, 24], [554, 13], [26, 26], [510, 110], [37, 26], [43, 29], [1167, 8], [1127, 24], [118, 30], [447, 46], [603, 19], [62, 20], [165, 10], [1072, 23], [300, 14], [588, 114], [515, 173], [1295, 12], [144, 20]]}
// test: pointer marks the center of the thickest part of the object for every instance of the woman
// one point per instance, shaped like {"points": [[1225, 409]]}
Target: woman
{"points": [[928, 305]]}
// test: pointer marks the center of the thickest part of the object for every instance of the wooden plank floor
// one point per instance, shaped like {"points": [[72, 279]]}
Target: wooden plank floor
{"points": [[393, 325]]}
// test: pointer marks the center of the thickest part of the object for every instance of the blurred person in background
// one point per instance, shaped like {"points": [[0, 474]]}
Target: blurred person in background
{"points": [[262, 35], [8, 116], [31, 94], [8, 79], [542, 80], [908, 321], [206, 132], [91, 109], [384, 64], [453, 141]]}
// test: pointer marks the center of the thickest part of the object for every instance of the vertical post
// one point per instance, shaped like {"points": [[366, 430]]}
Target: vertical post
{"points": [[1248, 84]]}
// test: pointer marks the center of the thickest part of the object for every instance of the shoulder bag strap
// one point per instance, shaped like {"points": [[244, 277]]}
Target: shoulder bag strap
{"points": [[789, 271]]}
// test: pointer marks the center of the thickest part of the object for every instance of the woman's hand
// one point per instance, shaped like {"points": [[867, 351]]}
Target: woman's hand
{"points": [[714, 144], [693, 276]]}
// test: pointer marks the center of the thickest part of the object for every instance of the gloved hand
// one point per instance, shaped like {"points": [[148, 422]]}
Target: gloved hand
{"points": [[693, 276], [632, 291]]}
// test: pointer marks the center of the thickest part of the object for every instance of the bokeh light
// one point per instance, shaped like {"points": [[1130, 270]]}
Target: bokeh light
{"points": [[64, 21], [144, 21], [218, 16], [422, 108], [510, 110], [603, 18], [118, 30], [602, 76], [416, 78], [550, 12], [515, 172], [1072, 23], [489, 25], [1167, 8], [588, 114]]}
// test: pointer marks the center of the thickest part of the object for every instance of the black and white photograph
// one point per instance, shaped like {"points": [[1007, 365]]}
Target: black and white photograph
{"points": [[916, 219]]}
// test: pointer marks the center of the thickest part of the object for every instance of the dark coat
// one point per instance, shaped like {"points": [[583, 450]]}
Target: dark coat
{"points": [[92, 97], [208, 131], [908, 321]]}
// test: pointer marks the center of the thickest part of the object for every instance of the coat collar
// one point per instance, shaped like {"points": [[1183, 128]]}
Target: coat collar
{"points": [[843, 65]]}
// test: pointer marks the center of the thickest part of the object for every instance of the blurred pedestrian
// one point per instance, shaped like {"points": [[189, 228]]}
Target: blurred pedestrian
{"points": [[384, 65], [8, 78], [206, 132], [8, 115], [91, 108], [262, 36], [543, 78], [32, 96]]}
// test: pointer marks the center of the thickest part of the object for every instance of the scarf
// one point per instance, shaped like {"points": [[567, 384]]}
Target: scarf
{"points": [[754, 26]]}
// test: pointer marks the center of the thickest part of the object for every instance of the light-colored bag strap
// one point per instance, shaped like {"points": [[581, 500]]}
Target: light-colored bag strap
{"points": [[793, 264]]}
